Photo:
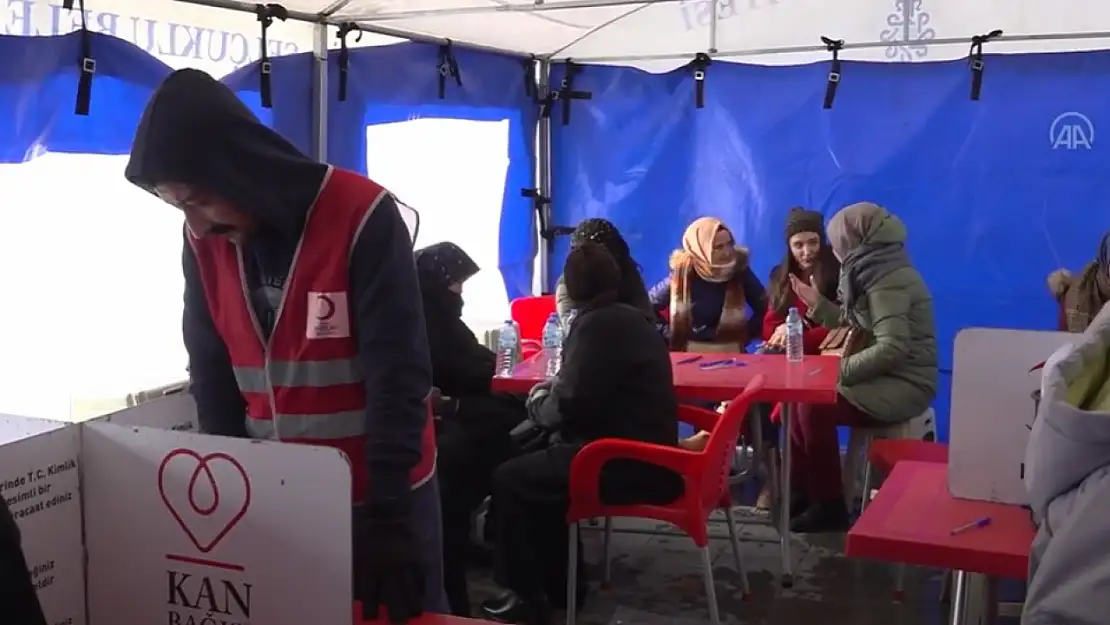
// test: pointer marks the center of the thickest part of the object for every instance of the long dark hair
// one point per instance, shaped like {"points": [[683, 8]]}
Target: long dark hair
{"points": [[826, 271], [603, 231]]}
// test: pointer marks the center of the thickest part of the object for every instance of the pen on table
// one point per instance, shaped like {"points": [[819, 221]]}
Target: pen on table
{"points": [[983, 522], [686, 361]]}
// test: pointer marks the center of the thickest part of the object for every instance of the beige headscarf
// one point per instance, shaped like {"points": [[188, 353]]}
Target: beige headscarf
{"points": [[870, 243], [696, 256], [697, 250], [851, 225]]}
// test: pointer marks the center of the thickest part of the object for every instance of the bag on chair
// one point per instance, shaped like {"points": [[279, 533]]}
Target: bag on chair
{"points": [[843, 341]]}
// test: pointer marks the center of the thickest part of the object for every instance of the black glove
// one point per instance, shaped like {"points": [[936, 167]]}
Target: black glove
{"points": [[389, 570]]}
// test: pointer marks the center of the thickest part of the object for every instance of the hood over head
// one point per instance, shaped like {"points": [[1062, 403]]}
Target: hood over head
{"points": [[1071, 437], [196, 131]]}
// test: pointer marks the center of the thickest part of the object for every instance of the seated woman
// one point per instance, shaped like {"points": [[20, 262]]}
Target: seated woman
{"points": [[615, 382], [19, 602], [888, 373], [1067, 475], [473, 433], [1081, 299], [809, 258], [709, 291], [631, 291]]}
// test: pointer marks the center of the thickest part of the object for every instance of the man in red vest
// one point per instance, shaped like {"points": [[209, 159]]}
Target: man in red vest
{"points": [[303, 319]]}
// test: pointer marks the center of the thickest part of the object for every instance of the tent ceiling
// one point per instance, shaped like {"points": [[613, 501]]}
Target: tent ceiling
{"points": [[663, 34]]}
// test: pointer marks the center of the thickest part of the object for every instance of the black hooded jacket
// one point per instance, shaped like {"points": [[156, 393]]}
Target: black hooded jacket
{"points": [[196, 131]]}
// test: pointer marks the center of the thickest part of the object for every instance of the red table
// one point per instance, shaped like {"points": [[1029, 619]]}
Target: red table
{"points": [[427, 619], [911, 519], [812, 381]]}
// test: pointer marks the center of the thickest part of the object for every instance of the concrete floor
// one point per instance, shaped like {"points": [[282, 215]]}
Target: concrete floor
{"points": [[657, 580]]}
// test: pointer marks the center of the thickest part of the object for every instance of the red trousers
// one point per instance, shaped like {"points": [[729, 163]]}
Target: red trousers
{"points": [[815, 451]]}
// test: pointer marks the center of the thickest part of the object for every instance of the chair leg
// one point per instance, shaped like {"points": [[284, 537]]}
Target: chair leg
{"points": [[710, 591], [606, 565], [572, 572], [866, 495], [734, 536], [899, 582]]}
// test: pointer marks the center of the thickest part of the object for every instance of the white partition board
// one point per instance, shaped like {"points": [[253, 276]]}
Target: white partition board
{"points": [[39, 481], [172, 412], [992, 409], [183, 527]]}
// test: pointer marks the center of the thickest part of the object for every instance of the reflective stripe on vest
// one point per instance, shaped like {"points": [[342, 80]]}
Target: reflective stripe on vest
{"points": [[318, 374], [313, 374]]}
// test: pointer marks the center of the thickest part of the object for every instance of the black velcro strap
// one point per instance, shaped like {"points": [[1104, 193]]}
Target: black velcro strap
{"points": [[345, 29], [700, 63], [834, 46], [448, 68], [266, 14], [975, 61], [541, 204], [567, 91], [86, 65]]}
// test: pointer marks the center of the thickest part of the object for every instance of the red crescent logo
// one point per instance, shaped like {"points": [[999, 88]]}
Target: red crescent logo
{"points": [[327, 306], [203, 467]]}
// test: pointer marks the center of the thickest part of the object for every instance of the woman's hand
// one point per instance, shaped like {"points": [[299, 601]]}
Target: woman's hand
{"points": [[805, 291], [778, 337]]}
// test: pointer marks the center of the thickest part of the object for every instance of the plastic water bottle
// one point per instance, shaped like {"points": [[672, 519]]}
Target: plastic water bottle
{"points": [[553, 344], [794, 347], [508, 346]]}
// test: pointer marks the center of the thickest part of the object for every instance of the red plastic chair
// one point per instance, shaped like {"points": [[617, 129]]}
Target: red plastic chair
{"points": [[531, 313], [705, 478]]}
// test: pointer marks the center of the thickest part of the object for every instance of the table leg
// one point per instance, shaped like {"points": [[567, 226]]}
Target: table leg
{"points": [[959, 598], [784, 500]]}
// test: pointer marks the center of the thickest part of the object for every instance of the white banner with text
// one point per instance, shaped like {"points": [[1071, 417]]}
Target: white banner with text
{"points": [[188, 529], [40, 485]]}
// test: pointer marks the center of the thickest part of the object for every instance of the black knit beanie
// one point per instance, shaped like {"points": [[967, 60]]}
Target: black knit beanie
{"points": [[802, 220]]}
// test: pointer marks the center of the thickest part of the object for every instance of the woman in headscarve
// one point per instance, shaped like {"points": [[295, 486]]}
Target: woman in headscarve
{"points": [[1080, 300], [473, 431], [888, 374], [632, 290], [710, 291]]}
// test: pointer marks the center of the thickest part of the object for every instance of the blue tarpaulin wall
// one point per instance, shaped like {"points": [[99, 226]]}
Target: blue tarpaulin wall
{"points": [[401, 82], [38, 85], [993, 194]]}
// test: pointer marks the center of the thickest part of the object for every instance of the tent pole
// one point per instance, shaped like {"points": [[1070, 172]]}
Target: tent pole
{"points": [[725, 54], [435, 41], [543, 179], [324, 18], [249, 7], [546, 7], [320, 92]]}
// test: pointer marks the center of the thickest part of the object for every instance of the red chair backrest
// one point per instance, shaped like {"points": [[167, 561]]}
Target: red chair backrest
{"points": [[531, 313], [722, 445]]}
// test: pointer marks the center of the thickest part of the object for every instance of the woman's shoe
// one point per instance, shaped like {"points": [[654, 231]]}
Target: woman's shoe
{"points": [[508, 607], [830, 516]]}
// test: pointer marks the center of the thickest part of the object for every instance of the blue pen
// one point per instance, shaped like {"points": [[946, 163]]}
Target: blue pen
{"points": [[686, 361], [983, 522], [714, 363]]}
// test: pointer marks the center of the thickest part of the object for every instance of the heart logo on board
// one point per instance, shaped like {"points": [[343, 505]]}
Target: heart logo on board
{"points": [[202, 513]]}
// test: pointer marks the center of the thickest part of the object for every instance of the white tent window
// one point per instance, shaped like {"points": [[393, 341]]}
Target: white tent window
{"points": [[92, 285], [453, 172]]}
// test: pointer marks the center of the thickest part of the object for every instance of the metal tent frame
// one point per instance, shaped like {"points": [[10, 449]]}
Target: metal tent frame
{"points": [[374, 22]]}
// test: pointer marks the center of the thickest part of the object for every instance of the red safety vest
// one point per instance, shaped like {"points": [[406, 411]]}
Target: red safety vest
{"points": [[304, 386]]}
